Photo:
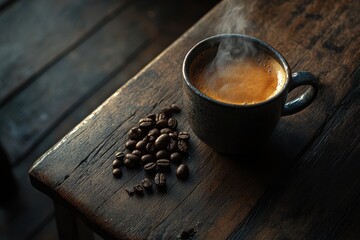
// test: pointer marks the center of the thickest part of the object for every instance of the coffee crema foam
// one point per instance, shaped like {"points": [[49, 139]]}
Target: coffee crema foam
{"points": [[245, 80]]}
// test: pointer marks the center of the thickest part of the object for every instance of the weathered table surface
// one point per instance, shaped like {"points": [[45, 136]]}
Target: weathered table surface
{"points": [[303, 185]]}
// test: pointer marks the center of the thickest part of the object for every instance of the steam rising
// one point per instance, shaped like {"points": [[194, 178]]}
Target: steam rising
{"points": [[230, 50]]}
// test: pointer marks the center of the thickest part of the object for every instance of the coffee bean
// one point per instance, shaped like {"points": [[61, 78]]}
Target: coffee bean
{"points": [[162, 123], [130, 164], [132, 157], [151, 138], [130, 191], [135, 133], [174, 135], [167, 111], [162, 154], [172, 146], [163, 164], [130, 145], [147, 158], [176, 157], [137, 153], [175, 108], [150, 147], [141, 145], [146, 123], [160, 116], [172, 123], [119, 155], [160, 179], [154, 133], [139, 190], [151, 116], [182, 171], [184, 135], [146, 183], [117, 172], [117, 163], [162, 141], [166, 130], [150, 167], [182, 146]]}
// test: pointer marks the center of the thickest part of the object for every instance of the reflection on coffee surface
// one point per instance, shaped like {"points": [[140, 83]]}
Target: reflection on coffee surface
{"points": [[237, 80]]}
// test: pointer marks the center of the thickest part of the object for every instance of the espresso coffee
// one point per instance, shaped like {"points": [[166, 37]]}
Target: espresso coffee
{"points": [[237, 80]]}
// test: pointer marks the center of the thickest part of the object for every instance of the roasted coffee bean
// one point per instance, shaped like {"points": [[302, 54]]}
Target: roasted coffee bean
{"points": [[172, 123], [154, 133], [172, 146], [146, 183], [150, 167], [132, 157], [135, 133], [147, 158], [150, 147], [130, 191], [168, 111], [130, 164], [146, 123], [117, 163], [182, 146], [137, 153], [151, 116], [151, 138], [162, 123], [119, 155], [160, 180], [139, 190], [163, 164], [182, 171], [130, 145], [175, 108], [160, 116], [117, 172], [166, 130], [162, 141], [184, 136], [174, 135], [141, 145], [176, 157], [162, 154]]}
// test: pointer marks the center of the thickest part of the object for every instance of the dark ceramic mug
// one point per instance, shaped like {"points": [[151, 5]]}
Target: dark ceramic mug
{"points": [[232, 128]]}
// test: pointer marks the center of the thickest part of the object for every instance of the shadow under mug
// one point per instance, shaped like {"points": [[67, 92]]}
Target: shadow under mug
{"points": [[234, 128]]}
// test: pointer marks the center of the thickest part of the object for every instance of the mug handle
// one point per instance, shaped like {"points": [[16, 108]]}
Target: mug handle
{"points": [[299, 79]]}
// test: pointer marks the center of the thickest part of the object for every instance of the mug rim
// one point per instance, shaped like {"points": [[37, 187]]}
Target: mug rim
{"points": [[283, 63]]}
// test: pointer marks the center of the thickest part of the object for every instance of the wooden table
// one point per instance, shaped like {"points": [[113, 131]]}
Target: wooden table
{"points": [[304, 184]]}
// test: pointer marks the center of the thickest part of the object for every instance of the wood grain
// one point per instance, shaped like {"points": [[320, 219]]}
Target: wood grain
{"points": [[318, 198], [34, 210], [71, 80], [36, 34], [221, 190]]}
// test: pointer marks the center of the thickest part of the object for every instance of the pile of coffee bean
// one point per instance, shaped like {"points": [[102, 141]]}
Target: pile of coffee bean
{"points": [[154, 144]]}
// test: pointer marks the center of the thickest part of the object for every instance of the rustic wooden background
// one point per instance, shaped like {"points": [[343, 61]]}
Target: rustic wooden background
{"points": [[59, 60], [306, 186]]}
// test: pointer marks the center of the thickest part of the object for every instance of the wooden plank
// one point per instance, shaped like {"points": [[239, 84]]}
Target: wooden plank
{"points": [[69, 226], [71, 80], [318, 198], [77, 170], [34, 218], [36, 34]]}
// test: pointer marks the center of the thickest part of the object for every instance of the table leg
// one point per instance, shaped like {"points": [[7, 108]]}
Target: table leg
{"points": [[70, 226]]}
